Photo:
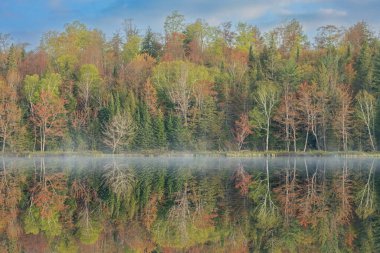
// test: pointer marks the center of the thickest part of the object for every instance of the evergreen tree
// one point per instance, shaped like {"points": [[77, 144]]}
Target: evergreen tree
{"points": [[173, 129], [159, 131], [376, 73], [150, 44], [11, 59], [145, 136], [363, 66]]}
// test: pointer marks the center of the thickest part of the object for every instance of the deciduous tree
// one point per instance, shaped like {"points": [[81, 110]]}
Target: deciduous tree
{"points": [[10, 113], [343, 114], [242, 130], [119, 131], [48, 116], [266, 97], [365, 104]]}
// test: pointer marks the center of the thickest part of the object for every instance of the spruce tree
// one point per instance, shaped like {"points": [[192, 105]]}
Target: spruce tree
{"points": [[376, 73], [150, 44], [363, 66], [11, 59], [159, 131], [145, 136]]}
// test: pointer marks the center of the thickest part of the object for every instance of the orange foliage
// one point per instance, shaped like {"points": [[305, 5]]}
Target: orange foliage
{"points": [[174, 47], [48, 195], [242, 180], [242, 130], [48, 115]]}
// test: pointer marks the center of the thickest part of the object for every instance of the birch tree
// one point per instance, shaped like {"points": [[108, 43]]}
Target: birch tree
{"points": [[365, 104], [88, 80], [266, 97]]}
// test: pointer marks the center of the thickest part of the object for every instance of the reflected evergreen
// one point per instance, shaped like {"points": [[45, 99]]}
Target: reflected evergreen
{"points": [[194, 205]]}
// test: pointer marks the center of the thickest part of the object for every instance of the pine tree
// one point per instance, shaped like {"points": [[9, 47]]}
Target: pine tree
{"points": [[363, 66], [172, 131], [145, 136], [11, 59], [159, 131], [150, 44], [376, 73], [252, 69]]}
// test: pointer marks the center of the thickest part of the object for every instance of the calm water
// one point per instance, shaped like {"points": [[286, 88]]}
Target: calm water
{"points": [[84, 204]]}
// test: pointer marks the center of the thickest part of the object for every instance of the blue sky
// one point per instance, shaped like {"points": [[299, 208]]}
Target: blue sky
{"points": [[27, 20]]}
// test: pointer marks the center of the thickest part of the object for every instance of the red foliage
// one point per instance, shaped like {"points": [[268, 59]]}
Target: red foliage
{"points": [[242, 180], [174, 47], [242, 130]]}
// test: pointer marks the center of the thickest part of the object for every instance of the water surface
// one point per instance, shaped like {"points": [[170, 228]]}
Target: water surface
{"points": [[185, 204]]}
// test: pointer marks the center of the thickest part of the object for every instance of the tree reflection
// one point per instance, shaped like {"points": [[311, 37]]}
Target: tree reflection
{"points": [[366, 196], [120, 180], [305, 206]]}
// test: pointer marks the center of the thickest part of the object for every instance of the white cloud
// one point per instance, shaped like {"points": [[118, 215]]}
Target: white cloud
{"points": [[333, 12]]}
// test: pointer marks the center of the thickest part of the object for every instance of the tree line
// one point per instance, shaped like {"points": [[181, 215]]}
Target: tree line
{"points": [[195, 87]]}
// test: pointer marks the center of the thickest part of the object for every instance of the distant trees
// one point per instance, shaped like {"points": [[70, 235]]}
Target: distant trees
{"points": [[188, 87]]}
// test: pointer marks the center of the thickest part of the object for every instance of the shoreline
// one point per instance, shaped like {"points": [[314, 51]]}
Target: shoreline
{"points": [[229, 154]]}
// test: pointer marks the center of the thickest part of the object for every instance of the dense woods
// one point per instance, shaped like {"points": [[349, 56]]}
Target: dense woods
{"points": [[195, 87]]}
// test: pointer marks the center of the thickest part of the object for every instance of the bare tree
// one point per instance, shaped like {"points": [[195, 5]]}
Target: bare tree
{"points": [[119, 131]]}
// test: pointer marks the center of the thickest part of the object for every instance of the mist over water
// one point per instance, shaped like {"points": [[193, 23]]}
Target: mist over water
{"points": [[189, 204], [95, 162]]}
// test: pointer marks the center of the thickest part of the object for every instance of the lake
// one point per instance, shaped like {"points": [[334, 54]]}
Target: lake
{"points": [[186, 204]]}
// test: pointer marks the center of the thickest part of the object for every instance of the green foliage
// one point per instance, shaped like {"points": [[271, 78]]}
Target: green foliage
{"points": [[131, 48], [193, 103], [363, 66], [89, 234], [34, 223]]}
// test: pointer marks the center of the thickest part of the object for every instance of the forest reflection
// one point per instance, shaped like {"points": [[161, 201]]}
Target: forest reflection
{"points": [[189, 205]]}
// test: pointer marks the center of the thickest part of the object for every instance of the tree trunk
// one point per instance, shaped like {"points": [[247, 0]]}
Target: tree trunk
{"points": [[294, 140], [267, 139], [370, 137], [4, 138], [306, 139]]}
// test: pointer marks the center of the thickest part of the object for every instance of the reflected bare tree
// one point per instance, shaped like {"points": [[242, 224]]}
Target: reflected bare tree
{"points": [[367, 195], [120, 179]]}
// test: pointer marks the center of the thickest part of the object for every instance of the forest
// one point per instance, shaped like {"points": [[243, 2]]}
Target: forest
{"points": [[193, 87]]}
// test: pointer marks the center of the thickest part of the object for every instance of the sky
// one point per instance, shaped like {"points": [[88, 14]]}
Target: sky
{"points": [[28, 20]]}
